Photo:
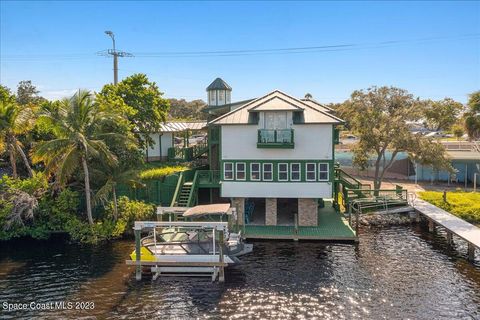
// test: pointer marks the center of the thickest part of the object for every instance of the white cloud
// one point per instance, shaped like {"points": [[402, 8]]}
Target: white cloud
{"points": [[59, 94]]}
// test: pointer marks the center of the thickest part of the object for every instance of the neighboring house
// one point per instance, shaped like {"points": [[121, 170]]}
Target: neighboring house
{"points": [[275, 153], [171, 140]]}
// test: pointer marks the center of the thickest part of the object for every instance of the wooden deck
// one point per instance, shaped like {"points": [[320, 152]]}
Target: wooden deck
{"points": [[332, 226], [451, 223]]}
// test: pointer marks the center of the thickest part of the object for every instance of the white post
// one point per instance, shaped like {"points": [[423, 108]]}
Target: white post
{"points": [[155, 238], [475, 182], [213, 230], [416, 172]]}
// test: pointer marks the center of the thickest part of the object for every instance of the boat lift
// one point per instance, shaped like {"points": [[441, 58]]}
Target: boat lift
{"points": [[184, 258]]}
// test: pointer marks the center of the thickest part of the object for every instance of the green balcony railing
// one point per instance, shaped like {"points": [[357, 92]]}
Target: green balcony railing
{"points": [[275, 138], [208, 178]]}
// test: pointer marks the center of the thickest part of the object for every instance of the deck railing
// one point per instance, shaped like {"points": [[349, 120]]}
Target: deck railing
{"points": [[275, 138], [208, 178]]}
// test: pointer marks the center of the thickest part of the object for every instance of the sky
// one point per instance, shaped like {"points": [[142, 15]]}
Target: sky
{"points": [[431, 49]]}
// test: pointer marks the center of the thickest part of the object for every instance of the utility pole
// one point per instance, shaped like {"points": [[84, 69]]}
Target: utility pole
{"points": [[115, 53]]}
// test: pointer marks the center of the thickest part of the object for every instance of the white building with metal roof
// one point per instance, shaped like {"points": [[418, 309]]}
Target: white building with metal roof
{"points": [[275, 153]]}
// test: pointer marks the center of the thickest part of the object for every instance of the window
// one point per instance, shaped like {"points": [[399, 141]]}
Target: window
{"points": [[295, 171], [228, 171], [255, 171], [311, 172], [275, 120], [220, 96], [240, 171], [323, 171], [267, 172], [282, 172]]}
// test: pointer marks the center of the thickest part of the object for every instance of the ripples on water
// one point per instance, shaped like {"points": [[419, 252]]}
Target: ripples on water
{"points": [[394, 273]]}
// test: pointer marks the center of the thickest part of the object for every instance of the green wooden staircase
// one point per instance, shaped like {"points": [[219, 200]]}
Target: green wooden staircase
{"points": [[186, 192], [184, 195]]}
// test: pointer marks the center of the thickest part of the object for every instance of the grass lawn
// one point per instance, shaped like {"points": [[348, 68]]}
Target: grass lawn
{"points": [[157, 169], [465, 205]]}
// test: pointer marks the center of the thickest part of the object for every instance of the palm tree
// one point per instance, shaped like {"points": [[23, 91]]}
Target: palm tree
{"points": [[112, 176], [14, 121], [77, 124]]}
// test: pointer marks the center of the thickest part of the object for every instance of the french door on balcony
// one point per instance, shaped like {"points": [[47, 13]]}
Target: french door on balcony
{"points": [[275, 120]]}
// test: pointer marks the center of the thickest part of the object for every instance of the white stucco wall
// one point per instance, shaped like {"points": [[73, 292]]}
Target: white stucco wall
{"points": [[276, 190], [154, 151], [312, 141]]}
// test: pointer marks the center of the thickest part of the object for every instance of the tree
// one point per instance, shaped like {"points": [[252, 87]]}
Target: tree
{"points": [[6, 95], [472, 116], [441, 115], [14, 121], [187, 110], [77, 125], [142, 102], [378, 116], [112, 176], [458, 130], [27, 93]]}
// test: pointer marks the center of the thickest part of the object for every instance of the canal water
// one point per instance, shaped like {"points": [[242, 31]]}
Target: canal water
{"points": [[393, 273]]}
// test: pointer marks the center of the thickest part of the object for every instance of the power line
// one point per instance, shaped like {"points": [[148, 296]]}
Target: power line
{"points": [[248, 52]]}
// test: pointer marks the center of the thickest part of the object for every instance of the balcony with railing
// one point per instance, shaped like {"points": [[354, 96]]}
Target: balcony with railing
{"points": [[275, 138], [208, 178]]}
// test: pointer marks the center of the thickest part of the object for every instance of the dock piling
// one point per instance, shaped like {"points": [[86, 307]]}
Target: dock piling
{"points": [[449, 237], [431, 225], [138, 267], [471, 252]]}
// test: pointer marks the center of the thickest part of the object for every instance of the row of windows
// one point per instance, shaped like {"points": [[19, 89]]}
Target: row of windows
{"points": [[285, 172]]}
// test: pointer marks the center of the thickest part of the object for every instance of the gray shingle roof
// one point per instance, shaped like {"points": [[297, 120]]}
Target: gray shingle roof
{"points": [[219, 84]]}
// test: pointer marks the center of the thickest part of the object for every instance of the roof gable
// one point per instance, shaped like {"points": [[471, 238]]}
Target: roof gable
{"points": [[269, 101], [275, 103]]}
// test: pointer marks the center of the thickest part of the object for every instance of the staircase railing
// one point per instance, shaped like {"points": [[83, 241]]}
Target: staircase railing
{"points": [[181, 180], [200, 148], [192, 196]]}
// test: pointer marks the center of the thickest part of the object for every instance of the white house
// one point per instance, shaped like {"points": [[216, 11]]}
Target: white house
{"points": [[275, 155]]}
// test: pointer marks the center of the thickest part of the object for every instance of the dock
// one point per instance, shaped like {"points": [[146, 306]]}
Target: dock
{"points": [[452, 224], [332, 226]]}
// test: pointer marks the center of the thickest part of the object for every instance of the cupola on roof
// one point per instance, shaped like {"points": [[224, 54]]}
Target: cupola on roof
{"points": [[219, 84]]}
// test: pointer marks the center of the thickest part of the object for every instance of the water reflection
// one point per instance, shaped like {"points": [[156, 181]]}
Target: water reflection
{"points": [[394, 273]]}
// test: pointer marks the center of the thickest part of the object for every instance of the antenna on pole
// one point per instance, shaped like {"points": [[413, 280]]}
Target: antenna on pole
{"points": [[115, 53]]}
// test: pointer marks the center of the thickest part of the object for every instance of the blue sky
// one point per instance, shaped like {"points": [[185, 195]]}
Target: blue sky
{"points": [[436, 53]]}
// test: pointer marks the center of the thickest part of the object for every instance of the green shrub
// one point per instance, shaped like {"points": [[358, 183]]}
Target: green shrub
{"points": [[157, 173], [34, 185], [465, 205], [130, 211]]}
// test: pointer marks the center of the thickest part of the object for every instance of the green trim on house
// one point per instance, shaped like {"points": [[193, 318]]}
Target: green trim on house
{"points": [[275, 163]]}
